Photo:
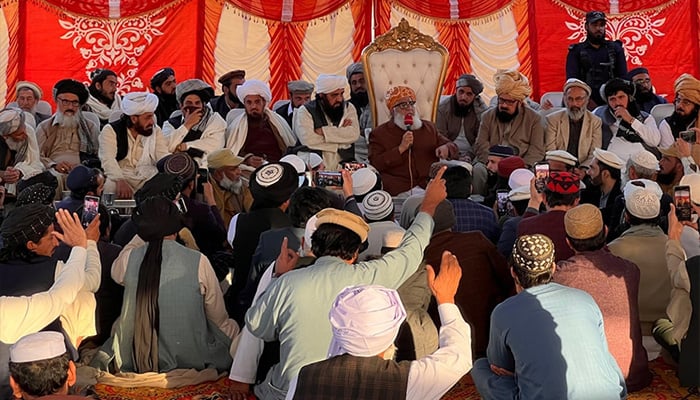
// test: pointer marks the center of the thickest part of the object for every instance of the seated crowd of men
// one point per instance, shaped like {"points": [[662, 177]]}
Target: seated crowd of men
{"points": [[328, 255]]}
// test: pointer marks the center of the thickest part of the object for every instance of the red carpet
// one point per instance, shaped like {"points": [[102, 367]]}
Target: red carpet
{"points": [[204, 391]]}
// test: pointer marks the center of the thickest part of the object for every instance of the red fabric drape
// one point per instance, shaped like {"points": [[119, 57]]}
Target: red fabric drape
{"points": [[626, 6], [100, 8], [212, 15], [382, 17], [11, 14], [663, 48], [527, 44], [362, 15], [286, 43], [60, 46], [303, 10], [465, 9], [455, 37]]}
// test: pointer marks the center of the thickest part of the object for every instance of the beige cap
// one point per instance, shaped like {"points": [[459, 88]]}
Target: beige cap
{"points": [[608, 158], [583, 222], [344, 219], [519, 193], [561, 156], [645, 159], [671, 151], [223, 158], [573, 82], [692, 180], [643, 203]]}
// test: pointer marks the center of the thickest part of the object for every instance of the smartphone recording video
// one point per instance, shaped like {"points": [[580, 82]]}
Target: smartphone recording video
{"points": [[202, 178], [91, 206], [502, 202], [541, 175], [681, 199], [329, 178]]}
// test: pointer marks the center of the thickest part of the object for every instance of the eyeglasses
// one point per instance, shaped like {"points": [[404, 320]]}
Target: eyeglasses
{"points": [[506, 101], [642, 81], [405, 105], [683, 102], [66, 103]]}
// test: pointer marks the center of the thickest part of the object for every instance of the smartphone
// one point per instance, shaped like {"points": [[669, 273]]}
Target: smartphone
{"points": [[502, 202], [91, 206], [329, 178], [180, 203], [681, 199], [541, 175], [203, 176], [688, 136], [354, 166]]}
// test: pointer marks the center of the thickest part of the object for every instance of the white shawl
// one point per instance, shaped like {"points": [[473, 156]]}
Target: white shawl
{"points": [[237, 131]]}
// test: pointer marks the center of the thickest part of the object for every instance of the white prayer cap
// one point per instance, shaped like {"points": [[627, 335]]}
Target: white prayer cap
{"points": [[392, 238], [38, 346], [298, 164], [365, 320], [459, 163], [326, 83], [643, 203], [608, 158], [254, 87], [637, 184], [308, 232], [645, 159], [692, 180], [520, 177], [363, 180], [11, 119], [137, 103], [561, 156], [313, 160], [377, 205], [520, 193]]}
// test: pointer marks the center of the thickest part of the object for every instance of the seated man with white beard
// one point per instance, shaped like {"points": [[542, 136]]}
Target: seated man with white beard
{"points": [[575, 129], [403, 154], [67, 138], [231, 194]]}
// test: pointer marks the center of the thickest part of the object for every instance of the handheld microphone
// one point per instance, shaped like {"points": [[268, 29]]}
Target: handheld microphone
{"points": [[408, 121]]}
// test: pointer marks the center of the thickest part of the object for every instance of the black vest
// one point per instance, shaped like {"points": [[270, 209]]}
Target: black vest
{"points": [[347, 377], [121, 131]]}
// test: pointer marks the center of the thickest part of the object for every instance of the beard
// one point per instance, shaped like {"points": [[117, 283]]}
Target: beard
{"points": [[595, 39], [334, 113], [505, 117], [644, 95], [683, 121], [359, 99], [666, 179], [230, 185], [68, 121], [461, 110], [143, 130], [233, 98], [417, 122], [575, 113]]}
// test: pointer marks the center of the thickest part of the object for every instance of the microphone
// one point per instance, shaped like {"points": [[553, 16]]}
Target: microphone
{"points": [[408, 121]]}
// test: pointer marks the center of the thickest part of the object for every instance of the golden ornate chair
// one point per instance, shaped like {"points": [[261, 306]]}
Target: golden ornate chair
{"points": [[404, 56]]}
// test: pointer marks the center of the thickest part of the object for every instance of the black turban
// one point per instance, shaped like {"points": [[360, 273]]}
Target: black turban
{"points": [[71, 86], [617, 84], [161, 76], [26, 223], [37, 193], [161, 184], [157, 217], [272, 184]]}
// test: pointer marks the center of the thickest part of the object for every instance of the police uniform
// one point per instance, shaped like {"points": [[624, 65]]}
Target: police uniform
{"points": [[595, 66]]}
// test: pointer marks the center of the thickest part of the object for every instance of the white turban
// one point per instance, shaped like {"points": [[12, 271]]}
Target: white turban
{"points": [[329, 83], [254, 87], [11, 119], [137, 103], [365, 320]]}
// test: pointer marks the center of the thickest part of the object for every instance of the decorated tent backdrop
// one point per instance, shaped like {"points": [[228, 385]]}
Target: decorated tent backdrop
{"points": [[277, 41]]}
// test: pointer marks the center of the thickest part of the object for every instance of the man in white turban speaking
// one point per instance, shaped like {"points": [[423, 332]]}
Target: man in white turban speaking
{"points": [[131, 146], [512, 123], [259, 134], [328, 124], [365, 321]]}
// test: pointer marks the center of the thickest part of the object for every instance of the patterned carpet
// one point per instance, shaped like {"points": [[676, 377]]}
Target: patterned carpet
{"points": [[664, 386], [206, 391]]}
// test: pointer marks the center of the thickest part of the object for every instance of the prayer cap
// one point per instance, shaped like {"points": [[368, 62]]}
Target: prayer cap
{"points": [[354, 68], [37, 193], [671, 151], [509, 164], [573, 82], [81, 177], [31, 86], [194, 86], [593, 16], [157, 217], [396, 94], [26, 223], [520, 177], [637, 184], [309, 232], [180, 164], [692, 180], [444, 216], [512, 83], [365, 320], [138, 103], [472, 81], [687, 86], [226, 78], [345, 219], [583, 222], [162, 184], [643, 203], [161, 76], [533, 253], [608, 158], [326, 83], [298, 164], [274, 182], [501, 151], [300, 87], [377, 205], [363, 180], [71, 86], [392, 238], [311, 158], [519, 193], [563, 183], [223, 158], [254, 87], [645, 159], [38, 346], [637, 71], [561, 156], [11, 119]]}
